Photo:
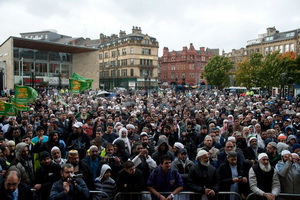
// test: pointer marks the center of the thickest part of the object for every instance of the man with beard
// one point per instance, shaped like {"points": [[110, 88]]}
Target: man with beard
{"points": [[142, 160], [231, 175], [13, 188], [132, 136], [274, 156], [263, 179], [203, 177], [23, 163], [78, 140], [208, 145], [93, 161], [289, 173], [46, 175], [81, 168], [56, 156], [68, 188], [252, 151], [52, 142], [145, 142]]}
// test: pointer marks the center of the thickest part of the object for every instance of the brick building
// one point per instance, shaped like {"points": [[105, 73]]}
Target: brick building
{"points": [[185, 66]]}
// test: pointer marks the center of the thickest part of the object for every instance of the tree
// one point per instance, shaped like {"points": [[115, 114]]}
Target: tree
{"points": [[247, 72], [217, 70]]}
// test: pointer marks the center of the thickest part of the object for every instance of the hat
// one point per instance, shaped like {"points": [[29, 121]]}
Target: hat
{"points": [[178, 145], [284, 152], [290, 137], [281, 137], [201, 153], [44, 155], [231, 154], [77, 125], [252, 138], [182, 150], [273, 144], [73, 153], [296, 146], [261, 155], [231, 138], [54, 148], [130, 126], [143, 134]]}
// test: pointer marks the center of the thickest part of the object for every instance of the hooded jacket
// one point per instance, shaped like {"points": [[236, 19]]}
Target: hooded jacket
{"points": [[24, 166], [156, 155], [108, 186], [122, 153]]}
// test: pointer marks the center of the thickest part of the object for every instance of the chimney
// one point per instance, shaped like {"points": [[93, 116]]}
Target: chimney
{"points": [[271, 31], [122, 33], [136, 30]]}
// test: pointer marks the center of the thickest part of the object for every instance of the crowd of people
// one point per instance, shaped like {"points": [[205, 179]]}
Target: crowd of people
{"points": [[166, 142]]}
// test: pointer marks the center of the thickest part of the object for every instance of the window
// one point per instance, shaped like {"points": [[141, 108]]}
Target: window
{"points": [[191, 67], [292, 34], [271, 49], [124, 62], [286, 48], [113, 54], [124, 72], [276, 48], [106, 55], [292, 47], [131, 61], [146, 51], [202, 58], [192, 75], [266, 50], [131, 50], [147, 42], [173, 67], [131, 72], [281, 48], [123, 51]]}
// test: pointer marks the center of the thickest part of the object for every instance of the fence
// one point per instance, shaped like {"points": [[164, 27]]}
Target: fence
{"points": [[281, 196], [92, 192], [184, 195]]}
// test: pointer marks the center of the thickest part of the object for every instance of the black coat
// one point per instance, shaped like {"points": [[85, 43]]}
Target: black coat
{"points": [[130, 183], [249, 153], [24, 192]]}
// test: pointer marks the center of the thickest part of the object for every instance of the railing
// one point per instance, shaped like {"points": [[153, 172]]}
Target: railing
{"points": [[184, 195], [92, 192], [282, 196]]}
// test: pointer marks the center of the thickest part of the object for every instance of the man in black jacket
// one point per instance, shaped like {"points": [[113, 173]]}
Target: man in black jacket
{"points": [[12, 188], [46, 175], [231, 175], [203, 177]]}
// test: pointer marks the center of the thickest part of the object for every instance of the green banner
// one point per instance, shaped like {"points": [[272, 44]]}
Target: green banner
{"points": [[77, 84], [20, 107], [7, 109], [25, 94]]}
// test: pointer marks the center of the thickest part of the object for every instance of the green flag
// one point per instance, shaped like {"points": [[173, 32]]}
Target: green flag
{"points": [[25, 94], [7, 109], [20, 107], [77, 83]]}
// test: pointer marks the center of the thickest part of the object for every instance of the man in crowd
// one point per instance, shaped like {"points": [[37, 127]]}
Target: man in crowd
{"points": [[164, 179], [289, 173], [203, 177], [273, 155], [56, 156], [68, 187], [12, 187], [263, 179]]}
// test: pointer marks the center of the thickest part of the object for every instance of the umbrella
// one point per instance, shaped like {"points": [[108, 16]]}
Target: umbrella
{"points": [[102, 93]]}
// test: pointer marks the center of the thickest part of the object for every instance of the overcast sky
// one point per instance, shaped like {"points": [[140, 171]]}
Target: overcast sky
{"points": [[223, 24]]}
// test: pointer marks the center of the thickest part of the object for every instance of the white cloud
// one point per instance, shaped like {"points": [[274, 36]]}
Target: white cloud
{"points": [[223, 24]]}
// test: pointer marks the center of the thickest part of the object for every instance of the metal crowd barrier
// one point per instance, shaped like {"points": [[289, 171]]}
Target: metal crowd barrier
{"points": [[91, 192], [281, 196], [184, 195]]}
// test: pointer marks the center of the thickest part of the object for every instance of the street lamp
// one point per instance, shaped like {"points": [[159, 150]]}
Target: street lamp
{"points": [[283, 80], [32, 78], [1, 80]]}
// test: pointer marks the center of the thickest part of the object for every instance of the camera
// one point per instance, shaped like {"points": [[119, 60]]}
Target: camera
{"points": [[240, 177], [74, 177], [111, 158]]}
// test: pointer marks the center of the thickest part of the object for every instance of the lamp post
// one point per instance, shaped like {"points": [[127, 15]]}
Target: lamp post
{"points": [[32, 78], [1, 80], [283, 77], [59, 80]]}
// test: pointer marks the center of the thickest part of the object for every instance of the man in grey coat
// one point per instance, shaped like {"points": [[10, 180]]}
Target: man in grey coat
{"points": [[289, 173]]}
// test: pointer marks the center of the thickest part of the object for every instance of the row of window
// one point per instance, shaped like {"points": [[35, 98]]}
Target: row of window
{"points": [[41, 55], [124, 62], [281, 48], [183, 58], [115, 53], [179, 77], [123, 73], [182, 67]]}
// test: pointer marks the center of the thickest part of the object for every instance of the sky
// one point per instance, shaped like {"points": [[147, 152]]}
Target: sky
{"points": [[223, 24]]}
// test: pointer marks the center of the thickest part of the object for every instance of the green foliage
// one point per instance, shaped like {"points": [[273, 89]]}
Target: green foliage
{"points": [[273, 70], [217, 70]]}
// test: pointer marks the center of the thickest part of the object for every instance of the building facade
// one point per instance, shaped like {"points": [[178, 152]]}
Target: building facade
{"points": [[236, 55], [185, 66], [45, 58], [128, 60], [273, 40]]}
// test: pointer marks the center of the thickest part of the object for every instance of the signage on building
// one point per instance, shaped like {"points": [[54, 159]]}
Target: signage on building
{"points": [[29, 80], [55, 81]]}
